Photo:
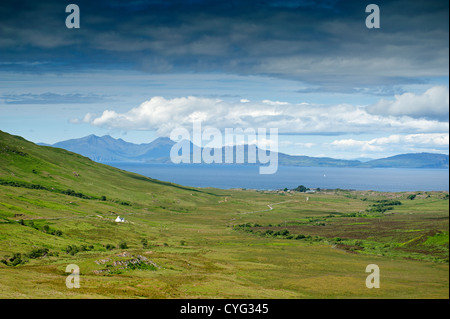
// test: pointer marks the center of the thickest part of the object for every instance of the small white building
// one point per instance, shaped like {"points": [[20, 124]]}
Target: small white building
{"points": [[120, 219]]}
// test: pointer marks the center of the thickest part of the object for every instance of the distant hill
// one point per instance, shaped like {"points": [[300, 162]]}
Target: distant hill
{"points": [[296, 160], [108, 149], [416, 160]]}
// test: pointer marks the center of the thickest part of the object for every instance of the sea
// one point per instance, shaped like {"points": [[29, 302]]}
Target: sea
{"points": [[248, 177]]}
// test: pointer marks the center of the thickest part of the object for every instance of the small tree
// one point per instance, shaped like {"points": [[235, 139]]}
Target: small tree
{"points": [[302, 189]]}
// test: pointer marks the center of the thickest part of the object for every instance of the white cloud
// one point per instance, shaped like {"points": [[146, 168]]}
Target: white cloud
{"points": [[269, 102], [163, 115], [364, 146], [397, 143], [433, 104], [307, 145]]}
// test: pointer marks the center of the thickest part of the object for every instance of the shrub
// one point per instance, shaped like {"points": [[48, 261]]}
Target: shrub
{"points": [[72, 250], [37, 252], [71, 192], [141, 266], [16, 259], [284, 232], [389, 202], [19, 258], [109, 247], [123, 245], [22, 184]]}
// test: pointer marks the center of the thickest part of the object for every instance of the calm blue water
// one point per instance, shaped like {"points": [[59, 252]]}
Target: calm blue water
{"points": [[247, 176]]}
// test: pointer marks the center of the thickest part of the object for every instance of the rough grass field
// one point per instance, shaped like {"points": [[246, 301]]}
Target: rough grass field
{"points": [[58, 208]]}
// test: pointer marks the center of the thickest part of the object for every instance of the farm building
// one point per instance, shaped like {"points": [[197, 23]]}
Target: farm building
{"points": [[120, 219]]}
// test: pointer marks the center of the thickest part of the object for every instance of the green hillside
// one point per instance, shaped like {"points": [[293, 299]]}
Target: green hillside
{"points": [[58, 170], [58, 208]]}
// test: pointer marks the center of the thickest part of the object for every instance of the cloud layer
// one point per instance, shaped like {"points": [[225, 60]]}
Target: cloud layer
{"points": [[163, 115], [51, 98], [323, 43], [432, 142], [433, 104]]}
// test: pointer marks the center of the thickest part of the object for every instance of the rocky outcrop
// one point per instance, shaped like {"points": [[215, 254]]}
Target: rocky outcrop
{"points": [[124, 262]]}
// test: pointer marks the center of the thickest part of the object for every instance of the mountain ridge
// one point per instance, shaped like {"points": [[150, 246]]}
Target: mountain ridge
{"points": [[108, 149]]}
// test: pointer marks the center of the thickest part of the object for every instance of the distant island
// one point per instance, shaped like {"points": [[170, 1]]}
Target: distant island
{"points": [[108, 149]]}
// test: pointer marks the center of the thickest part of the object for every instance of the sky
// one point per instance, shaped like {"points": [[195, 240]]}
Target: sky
{"points": [[139, 69]]}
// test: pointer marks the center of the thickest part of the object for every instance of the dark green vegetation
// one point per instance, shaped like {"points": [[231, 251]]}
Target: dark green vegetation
{"points": [[378, 230], [301, 189], [58, 208]]}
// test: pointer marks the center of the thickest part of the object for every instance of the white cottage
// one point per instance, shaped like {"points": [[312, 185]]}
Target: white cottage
{"points": [[120, 219]]}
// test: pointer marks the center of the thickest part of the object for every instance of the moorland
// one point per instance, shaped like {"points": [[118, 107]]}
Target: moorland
{"points": [[59, 208]]}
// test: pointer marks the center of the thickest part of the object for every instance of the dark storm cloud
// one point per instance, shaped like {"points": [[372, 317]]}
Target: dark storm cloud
{"points": [[323, 43]]}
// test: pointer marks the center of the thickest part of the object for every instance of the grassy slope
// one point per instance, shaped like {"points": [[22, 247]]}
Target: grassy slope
{"points": [[190, 236]]}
